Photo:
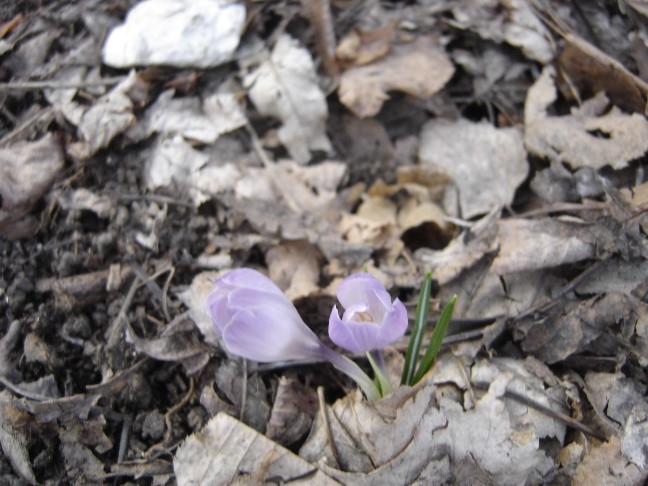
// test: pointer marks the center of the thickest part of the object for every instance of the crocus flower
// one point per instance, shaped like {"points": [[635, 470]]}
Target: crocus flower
{"points": [[255, 320], [371, 320]]}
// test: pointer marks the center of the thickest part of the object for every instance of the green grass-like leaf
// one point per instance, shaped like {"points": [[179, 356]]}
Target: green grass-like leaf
{"points": [[438, 334], [420, 321]]}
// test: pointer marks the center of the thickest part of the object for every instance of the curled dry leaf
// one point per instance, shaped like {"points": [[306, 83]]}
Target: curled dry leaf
{"points": [[286, 87], [381, 442], [513, 21], [12, 439], [591, 136], [292, 411], [195, 119], [412, 435], [486, 163], [604, 464], [590, 69], [175, 163], [419, 69], [27, 170], [83, 199], [226, 451], [108, 117], [362, 47], [194, 298], [614, 397], [544, 243], [295, 267]]}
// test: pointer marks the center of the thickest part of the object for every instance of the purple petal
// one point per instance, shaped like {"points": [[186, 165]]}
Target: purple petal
{"points": [[394, 325], [341, 334], [250, 279], [269, 337], [217, 305], [355, 288], [378, 304]]}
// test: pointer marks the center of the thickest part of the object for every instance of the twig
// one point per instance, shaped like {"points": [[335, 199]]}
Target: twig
{"points": [[545, 303], [176, 408], [118, 324], [566, 419], [267, 163], [123, 439], [155, 198], [327, 428], [165, 293], [27, 124], [32, 85]]}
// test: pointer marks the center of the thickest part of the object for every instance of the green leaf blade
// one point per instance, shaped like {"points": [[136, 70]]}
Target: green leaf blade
{"points": [[436, 340], [420, 321]]}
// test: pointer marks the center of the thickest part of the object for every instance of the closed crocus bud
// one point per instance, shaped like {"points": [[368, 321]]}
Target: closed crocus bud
{"points": [[371, 320], [255, 320]]}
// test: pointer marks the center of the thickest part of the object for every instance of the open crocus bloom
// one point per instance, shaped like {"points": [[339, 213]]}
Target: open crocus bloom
{"points": [[371, 320], [256, 320]]}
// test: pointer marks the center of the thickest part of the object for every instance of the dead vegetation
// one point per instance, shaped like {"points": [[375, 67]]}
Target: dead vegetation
{"points": [[499, 144]]}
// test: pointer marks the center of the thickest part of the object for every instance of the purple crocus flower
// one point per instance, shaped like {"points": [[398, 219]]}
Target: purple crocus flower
{"points": [[371, 320], [256, 320]]}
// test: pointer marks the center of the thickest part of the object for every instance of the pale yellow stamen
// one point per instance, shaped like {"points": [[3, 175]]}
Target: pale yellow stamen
{"points": [[364, 317]]}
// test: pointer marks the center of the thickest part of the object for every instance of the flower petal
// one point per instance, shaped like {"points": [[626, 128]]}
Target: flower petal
{"points": [[341, 334], [217, 306], [268, 338], [266, 327], [250, 279], [355, 288], [394, 324]]}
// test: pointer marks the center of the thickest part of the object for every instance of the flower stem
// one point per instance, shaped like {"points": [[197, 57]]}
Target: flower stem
{"points": [[352, 370], [377, 361]]}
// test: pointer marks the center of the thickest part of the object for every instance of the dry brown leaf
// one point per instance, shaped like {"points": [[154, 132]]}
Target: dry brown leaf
{"points": [[419, 69], [174, 344], [83, 199], [108, 117], [228, 452], [590, 69], [8, 368], [487, 164], [286, 87], [82, 464], [175, 163], [203, 120], [229, 380], [404, 437], [27, 170], [513, 21], [194, 298], [380, 442], [613, 397], [292, 411], [543, 243], [604, 464], [295, 267], [13, 440], [361, 47], [590, 137], [464, 251], [374, 223]]}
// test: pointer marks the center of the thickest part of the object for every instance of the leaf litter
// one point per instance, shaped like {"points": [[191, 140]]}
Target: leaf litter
{"points": [[499, 146]]}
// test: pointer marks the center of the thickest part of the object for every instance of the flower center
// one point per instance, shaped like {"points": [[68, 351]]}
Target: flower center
{"points": [[364, 316]]}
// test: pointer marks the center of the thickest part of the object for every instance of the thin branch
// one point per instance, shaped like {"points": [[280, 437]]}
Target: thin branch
{"points": [[33, 85]]}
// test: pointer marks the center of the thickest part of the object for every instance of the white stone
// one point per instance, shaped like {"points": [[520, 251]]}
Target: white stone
{"points": [[181, 33]]}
